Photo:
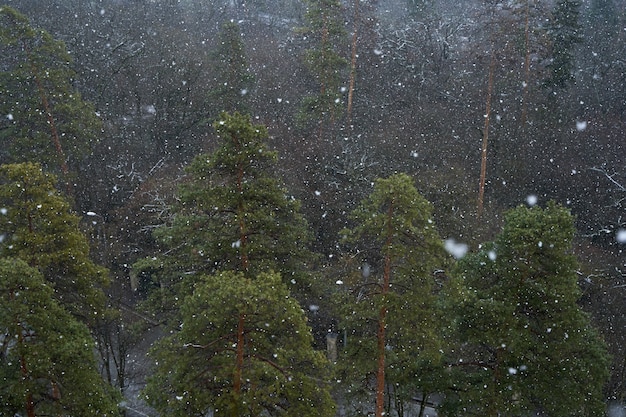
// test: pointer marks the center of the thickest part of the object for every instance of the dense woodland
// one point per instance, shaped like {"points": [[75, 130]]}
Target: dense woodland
{"points": [[312, 207]]}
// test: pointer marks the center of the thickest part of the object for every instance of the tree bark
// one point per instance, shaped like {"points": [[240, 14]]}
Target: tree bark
{"points": [[382, 319], [483, 158]]}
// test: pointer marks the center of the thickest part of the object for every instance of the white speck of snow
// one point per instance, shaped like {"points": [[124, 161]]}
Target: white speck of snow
{"points": [[540, 244], [102, 12], [492, 255], [293, 281], [414, 154], [620, 236], [314, 308], [512, 371], [280, 100], [581, 125], [549, 330], [378, 51], [244, 91], [3, 210], [574, 171], [91, 213], [343, 89], [318, 193], [179, 397], [456, 249], [531, 200], [10, 116], [339, 282], [236, 244]]}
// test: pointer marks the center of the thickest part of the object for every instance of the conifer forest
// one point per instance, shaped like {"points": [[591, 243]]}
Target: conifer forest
{"points": [[313, 208]]}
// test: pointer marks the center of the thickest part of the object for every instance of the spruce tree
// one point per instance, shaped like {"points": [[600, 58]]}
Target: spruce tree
{"points": [[44, 117], [526, 345], [47, 365], [244, 349], [391, 317], [39, 228]]}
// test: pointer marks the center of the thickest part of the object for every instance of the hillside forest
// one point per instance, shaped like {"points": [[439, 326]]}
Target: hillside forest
{"points": [[312, 208]]}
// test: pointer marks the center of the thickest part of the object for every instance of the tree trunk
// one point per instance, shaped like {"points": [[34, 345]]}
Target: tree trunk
{"points": [[382, 319], [353, 64], [483, 159]]}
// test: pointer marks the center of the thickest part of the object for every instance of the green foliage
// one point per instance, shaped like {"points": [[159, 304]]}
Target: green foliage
{"points": [[44, 118], [233, 215], [233, 77], [394, 235], [39, 228], [326, 34], [527, 346], [564, 31], [280, 374], [47, 365]]}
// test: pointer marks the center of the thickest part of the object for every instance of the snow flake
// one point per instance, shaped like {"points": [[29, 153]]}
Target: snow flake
{"points": [[339, 282], [531, 200], [10, 116], [512, 371], [492, 255], [3, 210], [236, 244], [378, 52], [456, 249], [620, 236], [581, 125]]}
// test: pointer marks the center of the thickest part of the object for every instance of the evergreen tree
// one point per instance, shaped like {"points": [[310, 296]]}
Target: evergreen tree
{"points": [[526, 345], [233, 79], [244, 349], [325, 32], [39, 228], [391, 315], [44, 118], [233, 215], [47, 365], [564, 31]]}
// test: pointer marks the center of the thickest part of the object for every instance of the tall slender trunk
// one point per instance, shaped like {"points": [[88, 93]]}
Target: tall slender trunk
{"points": [[353, 64], [54, 133], [382, 319], [483, 158], [526, 65]]}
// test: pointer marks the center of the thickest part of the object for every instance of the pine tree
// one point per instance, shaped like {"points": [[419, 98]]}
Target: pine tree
{"points": [[564, 31], [44, 117], [326, 33], [244, 349], [233, 215], [39, 228], [233, 79], [391, 317], [47, 365], [527, 345]]}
